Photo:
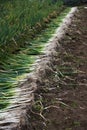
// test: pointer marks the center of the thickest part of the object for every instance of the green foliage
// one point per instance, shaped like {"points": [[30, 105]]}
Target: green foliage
{"points": [[14, 67], [17, 16]]}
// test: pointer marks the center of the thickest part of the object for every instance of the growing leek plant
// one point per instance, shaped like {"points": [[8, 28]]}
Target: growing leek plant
{"points": [[18, 17]]}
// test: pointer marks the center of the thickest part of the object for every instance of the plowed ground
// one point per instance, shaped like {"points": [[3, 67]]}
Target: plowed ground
{"points": [[61, 98]]}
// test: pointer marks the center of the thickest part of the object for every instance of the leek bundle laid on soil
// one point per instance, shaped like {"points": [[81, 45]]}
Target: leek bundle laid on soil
{"points": [[16, 25]]}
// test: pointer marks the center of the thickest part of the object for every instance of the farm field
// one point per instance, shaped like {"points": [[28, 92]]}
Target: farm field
{"points": [[15, 67], [43, 65], [61, 97]]}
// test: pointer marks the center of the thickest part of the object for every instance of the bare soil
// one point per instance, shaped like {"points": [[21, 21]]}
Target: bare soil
{"points": [[61, 97]]}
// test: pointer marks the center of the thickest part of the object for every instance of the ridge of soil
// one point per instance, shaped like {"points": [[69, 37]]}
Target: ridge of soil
{"points": [[61, 95]]}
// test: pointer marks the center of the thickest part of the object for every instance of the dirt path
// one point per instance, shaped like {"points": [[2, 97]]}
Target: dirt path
{"points": [[61, 97]]}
